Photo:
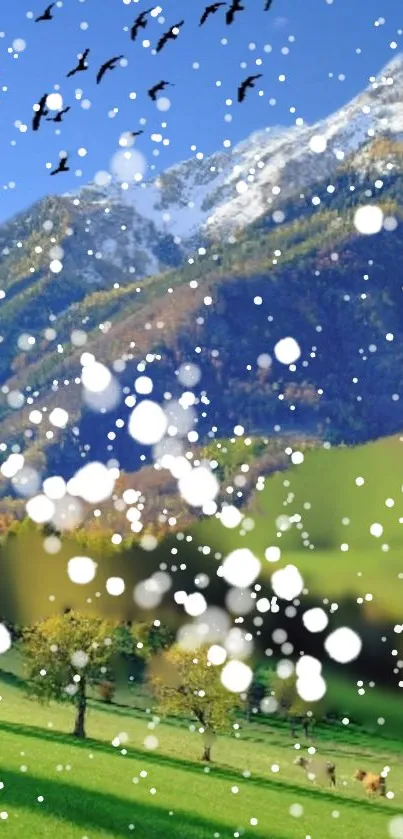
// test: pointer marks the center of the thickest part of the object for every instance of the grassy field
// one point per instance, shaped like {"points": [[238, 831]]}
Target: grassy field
{"points": [[54, 785], [330, 543], [362, 709], [334, 510]]}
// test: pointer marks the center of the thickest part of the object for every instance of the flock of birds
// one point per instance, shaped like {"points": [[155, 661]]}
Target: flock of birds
{"points": [[140, 23]]}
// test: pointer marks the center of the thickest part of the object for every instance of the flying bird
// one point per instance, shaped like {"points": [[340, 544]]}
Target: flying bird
{"points": [[235, 7], [210, 10], [47, 14], [140, 23], [109, 65], [62, 167], [59, 115], [41, 111], [82, 64], [158, 88], [170, 35], [267, 5], [136, 133], [246, 84]]}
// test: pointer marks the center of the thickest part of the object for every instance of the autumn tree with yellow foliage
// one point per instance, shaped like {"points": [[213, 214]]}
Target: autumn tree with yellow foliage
{"points": [[185, 683], [65, 653]]}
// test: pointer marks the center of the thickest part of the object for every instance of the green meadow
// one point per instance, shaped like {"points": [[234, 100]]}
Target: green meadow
{"points": [[112, 785], [329, 540], [340, 557], [107, 787]]}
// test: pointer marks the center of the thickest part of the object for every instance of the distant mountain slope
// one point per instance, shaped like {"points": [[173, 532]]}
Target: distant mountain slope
{"points": [[232, 188], [297, 267]]}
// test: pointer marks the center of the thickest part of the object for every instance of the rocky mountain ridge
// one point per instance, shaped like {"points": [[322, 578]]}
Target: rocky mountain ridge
{"points": [[231, 189], [91, 273]]}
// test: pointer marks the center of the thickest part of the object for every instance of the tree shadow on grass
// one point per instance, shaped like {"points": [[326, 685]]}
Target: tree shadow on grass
{"points": [[227, 773], [327, 737], [12, 679], [359, 745], [108, 813]]}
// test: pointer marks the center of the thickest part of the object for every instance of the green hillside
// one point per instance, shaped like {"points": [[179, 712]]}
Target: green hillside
{"points": [[334, 511], [111, 785], [310, 272]]}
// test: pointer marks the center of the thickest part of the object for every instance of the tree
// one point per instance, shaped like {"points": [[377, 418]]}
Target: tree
{"points": [[151, 638], [136, 643], [185, 683], [290, 704], [140, 641], [264, 680], [64, 654]]}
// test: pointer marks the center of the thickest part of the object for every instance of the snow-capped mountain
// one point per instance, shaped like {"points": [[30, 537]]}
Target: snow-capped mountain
{"points": [[79, 262], [231, 189]]}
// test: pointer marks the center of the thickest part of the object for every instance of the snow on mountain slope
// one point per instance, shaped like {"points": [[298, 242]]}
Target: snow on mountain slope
{"points": [[231, 189], [290, 164]]}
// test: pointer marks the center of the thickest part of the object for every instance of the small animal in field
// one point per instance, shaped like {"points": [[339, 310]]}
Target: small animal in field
{"points": [[371, 782], [317, 769]]}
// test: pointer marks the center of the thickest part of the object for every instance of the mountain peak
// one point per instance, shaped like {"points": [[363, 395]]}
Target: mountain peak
{"points": [[232, 188], [393, 69]]}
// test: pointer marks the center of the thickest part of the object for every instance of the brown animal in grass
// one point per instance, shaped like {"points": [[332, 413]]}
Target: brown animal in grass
{"points": [[371, 782], [318, 768]]}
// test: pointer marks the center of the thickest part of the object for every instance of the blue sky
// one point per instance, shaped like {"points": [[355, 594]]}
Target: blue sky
{"points": [[326, 51]]}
